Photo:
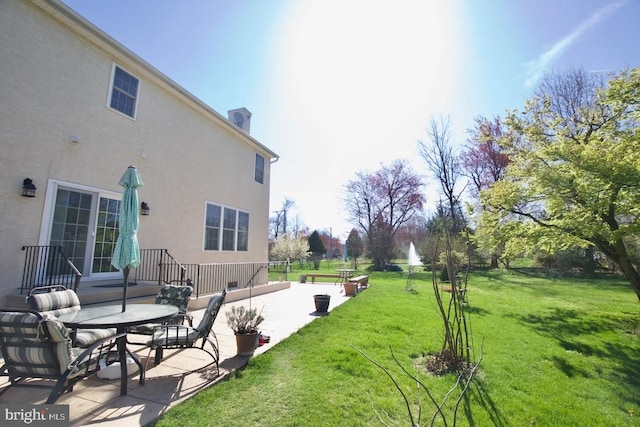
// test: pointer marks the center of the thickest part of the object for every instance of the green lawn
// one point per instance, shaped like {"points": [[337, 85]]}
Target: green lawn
{"points": [[561, 351]]}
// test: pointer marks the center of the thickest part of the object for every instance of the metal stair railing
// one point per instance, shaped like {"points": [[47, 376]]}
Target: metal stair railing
{"points": [[48, 266], [158, 265]]}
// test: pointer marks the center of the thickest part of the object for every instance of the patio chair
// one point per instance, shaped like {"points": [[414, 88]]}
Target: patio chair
{"points": [[182, 337], [57, 300], [173, 295], [35, 346]]}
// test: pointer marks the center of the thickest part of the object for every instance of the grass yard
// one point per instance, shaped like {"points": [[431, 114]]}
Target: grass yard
{"points": [[560, 351]]}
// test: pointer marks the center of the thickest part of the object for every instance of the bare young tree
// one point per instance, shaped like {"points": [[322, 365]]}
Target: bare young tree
{"points": [[442, 160], [279, 220]]}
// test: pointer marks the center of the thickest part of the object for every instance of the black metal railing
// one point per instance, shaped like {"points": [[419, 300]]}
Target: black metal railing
{"points": [[212, 278], [250, 283], [48, 266], [157, 265], [282, 268]]}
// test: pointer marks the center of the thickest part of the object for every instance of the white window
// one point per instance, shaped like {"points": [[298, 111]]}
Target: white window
{"points": [[226, 229], [259, 169], [243, 231], [229, 229], [123, 95], [212, 228]]}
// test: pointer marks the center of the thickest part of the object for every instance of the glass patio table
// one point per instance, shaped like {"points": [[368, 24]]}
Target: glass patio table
{"points": [[345, 273], [112, 316]]}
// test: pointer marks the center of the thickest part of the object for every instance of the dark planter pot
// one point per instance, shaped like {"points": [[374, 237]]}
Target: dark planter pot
{"points": [[246, 343], [322, 303]]}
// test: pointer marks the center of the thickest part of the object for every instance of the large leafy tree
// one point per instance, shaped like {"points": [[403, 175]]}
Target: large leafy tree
{"points": [[574, 175], [485, 162], [355, 247], [317, 249], [380, 203]]}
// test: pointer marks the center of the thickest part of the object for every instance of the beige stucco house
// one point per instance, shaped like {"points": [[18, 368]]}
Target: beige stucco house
{"points": [[76, 109]]}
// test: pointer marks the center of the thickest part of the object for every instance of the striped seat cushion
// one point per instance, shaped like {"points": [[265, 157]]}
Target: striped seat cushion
{"points": [[29, 343], [55, 303], [62, 302], [86, 337]]}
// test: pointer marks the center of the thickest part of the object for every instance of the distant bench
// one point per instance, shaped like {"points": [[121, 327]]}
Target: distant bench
{"points": [[361, 281], [460, 291], [329, 276]]}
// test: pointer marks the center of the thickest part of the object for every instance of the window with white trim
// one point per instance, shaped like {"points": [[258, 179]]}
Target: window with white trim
{"points": [[212, 228], [259, 169], [123, 95], [243, 231], [226, 229], [229, 229]]}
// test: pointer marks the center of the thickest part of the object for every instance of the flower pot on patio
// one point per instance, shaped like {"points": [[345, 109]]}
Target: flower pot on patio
{"points": [[244, 323], [350, 288], [322, 303], [246, 343]]}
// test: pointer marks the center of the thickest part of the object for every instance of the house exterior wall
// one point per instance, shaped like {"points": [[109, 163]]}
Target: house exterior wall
{"points": [[55, 75]]}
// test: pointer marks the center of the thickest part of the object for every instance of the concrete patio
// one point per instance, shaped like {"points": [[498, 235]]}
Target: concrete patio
{"points": [[184, 373]]}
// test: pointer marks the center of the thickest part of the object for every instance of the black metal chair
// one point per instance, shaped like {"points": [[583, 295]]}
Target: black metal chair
{"points": [[170, 295], [182, 337]]}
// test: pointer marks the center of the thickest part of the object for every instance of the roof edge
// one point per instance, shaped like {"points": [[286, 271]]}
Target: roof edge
{"points": [[68, 16]]}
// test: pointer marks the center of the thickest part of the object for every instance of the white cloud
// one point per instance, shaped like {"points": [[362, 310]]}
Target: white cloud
{"points": [[539, 66]]}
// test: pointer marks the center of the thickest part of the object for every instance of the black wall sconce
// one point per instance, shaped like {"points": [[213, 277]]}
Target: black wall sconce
{"points": [[144, 208], [28, 188]]}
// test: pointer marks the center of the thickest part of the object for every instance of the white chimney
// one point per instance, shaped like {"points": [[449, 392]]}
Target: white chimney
{"points": [[240, 117]]}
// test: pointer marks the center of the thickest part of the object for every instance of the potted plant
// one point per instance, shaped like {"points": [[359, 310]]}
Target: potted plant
{"points": [[322, 302], [244, 323]]}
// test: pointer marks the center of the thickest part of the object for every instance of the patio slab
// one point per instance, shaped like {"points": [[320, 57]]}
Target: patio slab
{"points": [[182, 373]]}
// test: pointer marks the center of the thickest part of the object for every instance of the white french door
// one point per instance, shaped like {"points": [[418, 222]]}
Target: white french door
{"points": [[84, 222]]}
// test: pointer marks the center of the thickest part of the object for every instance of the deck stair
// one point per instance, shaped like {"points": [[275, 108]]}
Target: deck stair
{"points": [[100, 292]]}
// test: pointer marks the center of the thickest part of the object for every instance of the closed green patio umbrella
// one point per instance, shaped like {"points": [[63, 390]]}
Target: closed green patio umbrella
{"points": [[126, 254]]}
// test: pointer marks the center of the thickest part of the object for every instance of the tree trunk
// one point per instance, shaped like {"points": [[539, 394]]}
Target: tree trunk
{"points": [[617, 252], [630, 273], [590, 263], [494, 261]]}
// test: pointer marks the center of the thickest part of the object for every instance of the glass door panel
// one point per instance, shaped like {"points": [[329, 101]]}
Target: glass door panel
{"points": [[106, 235], [70, 227]]}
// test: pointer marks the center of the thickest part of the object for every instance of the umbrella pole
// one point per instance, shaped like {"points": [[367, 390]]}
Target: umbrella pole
{"points": [[125, 272]]}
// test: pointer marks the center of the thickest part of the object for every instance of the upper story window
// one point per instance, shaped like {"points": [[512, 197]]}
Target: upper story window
{"points": [[226, 229], [123, 95], [259, 169]]}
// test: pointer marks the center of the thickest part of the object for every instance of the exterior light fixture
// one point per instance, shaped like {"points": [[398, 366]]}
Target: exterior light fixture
{"points": [[144, 208], [28, 188]]}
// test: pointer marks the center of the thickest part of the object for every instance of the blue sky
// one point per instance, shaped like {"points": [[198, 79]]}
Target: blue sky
{"points": [[340, 86]]}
